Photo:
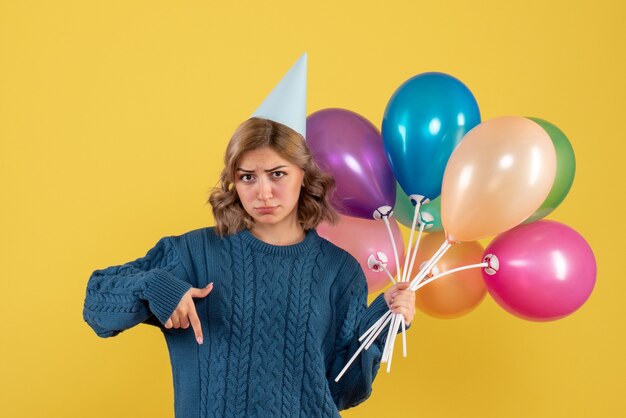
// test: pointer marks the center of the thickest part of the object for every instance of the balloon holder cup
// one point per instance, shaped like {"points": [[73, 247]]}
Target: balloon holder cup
{"points": [[418, 198], [382, 212], [377, 262], [493, 264], [427, 219], [434, 271]]}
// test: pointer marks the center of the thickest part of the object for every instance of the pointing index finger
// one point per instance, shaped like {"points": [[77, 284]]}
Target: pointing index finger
{"points": [[195, 324]]}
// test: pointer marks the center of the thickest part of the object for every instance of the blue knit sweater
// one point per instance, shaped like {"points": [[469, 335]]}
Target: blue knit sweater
{"points": [[279, 325]]}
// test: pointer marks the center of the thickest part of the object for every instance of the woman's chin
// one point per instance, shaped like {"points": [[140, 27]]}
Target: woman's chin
{"points": [[266, 219]]}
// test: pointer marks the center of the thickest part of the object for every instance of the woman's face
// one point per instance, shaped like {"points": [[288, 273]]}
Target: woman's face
{"points": [[268, 186]]}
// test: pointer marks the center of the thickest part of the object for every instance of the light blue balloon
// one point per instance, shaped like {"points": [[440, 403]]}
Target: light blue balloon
{"points": [[424, 121]]}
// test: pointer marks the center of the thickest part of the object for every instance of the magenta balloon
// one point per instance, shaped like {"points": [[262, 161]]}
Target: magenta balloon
{"points": [[361, 237], [546, 271], [349, 147]]}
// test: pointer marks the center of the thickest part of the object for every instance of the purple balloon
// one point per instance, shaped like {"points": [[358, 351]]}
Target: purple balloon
{"points": [[349, 147], [546, 271]]}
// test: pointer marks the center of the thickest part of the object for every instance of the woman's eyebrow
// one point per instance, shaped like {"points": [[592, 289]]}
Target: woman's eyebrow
{"points": [[267, 171]]}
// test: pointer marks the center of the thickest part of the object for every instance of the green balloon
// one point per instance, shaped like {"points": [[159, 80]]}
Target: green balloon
{"points": [[565, 170], [404, 211]]}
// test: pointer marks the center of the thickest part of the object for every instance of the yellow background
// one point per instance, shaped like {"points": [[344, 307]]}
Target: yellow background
{"points": [[114, 116]]}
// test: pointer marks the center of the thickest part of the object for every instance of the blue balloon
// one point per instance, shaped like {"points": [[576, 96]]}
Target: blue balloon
{"points": [[424, 121]]}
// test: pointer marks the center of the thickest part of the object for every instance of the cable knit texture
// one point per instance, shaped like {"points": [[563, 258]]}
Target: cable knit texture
{"points": [[279, 325]]}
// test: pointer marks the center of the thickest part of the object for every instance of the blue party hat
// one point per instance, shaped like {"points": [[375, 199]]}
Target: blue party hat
{"points": [[287, 101]]}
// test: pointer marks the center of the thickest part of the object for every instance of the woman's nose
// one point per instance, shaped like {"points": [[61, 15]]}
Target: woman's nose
{"points": [[265, 190]]}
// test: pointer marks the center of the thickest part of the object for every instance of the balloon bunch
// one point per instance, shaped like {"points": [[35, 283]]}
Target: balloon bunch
{"points": [[463, 180]]}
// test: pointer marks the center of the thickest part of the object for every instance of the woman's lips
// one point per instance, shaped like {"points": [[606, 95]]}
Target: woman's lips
{"points": [[267, 209]]}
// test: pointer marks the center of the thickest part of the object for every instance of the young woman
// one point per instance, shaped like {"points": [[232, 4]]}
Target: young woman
{"points": [[259, 312]]}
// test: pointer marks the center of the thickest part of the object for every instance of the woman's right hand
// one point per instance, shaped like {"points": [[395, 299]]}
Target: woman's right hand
{"points": [[185, 312]]}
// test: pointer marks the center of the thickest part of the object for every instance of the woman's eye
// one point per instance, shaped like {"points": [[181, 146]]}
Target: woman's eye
{"points": [[245, 177], [278, 174]]}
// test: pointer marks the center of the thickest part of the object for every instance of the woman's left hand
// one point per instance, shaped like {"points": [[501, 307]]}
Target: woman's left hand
{"points": [[401, 300]]}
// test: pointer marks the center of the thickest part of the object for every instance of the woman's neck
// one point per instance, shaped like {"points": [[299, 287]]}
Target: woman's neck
{"points": [[278, 234]]}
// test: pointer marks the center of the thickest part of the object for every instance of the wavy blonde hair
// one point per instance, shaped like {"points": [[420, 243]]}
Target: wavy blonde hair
{"points": [[314, 202]]}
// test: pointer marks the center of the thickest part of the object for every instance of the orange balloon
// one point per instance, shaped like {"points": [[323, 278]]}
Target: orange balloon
{"points": [[499, 175], [454, 295]]}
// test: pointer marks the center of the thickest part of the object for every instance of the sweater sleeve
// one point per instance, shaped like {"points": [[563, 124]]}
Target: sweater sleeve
{"points": [[355, 317], [145, 290]]}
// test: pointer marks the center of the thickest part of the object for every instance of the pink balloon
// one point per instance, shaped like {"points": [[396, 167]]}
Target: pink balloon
{"points": [[546, 271], [362, 238]]}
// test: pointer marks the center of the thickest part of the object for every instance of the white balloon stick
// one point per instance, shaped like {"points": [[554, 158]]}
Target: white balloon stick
{"points": [[386, 270], [364, 345], [445, 273], [408, 252], [395, 320], [393, 245], [423, 271], [374, 327], [417, 244], [386, 346], [430, 264], [380, 329], [403, 337], [389, 343]]}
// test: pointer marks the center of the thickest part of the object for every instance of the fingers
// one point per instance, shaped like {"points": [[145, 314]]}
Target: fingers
{"points": [[393, 291], [200, 293], [402, 295], [399, 287], [184, 322], [403, 302], [185, 313], [175, 321], [407, 313], [195, 324], [179, 319]]}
